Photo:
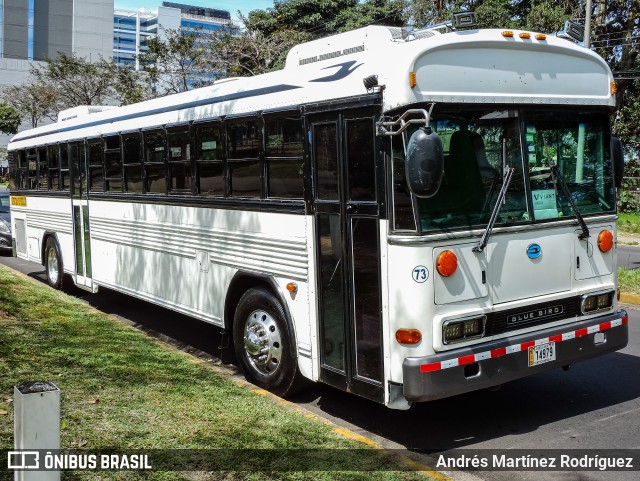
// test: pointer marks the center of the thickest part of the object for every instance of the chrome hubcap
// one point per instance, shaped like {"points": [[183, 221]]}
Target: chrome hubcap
{"points": [[262, 342], [52, 266]]}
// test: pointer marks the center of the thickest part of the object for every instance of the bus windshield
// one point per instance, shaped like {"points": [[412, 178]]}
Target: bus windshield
{"points": [[479, 145]]}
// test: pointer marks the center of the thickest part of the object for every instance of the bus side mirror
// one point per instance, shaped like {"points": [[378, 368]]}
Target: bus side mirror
{"points": [[617, 154], [424, 163]]}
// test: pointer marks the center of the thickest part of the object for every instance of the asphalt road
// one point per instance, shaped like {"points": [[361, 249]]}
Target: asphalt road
{"points": [[629, 256], [596, 405]]}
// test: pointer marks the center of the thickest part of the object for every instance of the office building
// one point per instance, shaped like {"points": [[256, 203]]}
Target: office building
{"points": [[33, 30], [133, 28]]}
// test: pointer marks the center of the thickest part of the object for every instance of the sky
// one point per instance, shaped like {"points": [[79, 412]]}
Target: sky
{"points": [[245, 6]]}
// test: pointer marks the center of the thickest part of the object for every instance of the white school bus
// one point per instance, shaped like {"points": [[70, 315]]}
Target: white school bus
{"points": [[403, 217]]}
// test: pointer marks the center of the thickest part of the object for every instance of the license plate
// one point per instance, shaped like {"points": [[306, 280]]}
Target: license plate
{"points": [[542, 353]]}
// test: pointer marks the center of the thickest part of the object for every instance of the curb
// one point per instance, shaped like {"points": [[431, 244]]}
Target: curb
{"points": [[629, 298]]}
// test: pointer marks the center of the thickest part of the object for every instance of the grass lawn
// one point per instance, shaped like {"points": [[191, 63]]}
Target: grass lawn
{"points": [[629, 224], [123, 390], [629, 281]]}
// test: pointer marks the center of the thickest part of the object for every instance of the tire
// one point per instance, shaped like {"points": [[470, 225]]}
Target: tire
{"points": [[53, 264], [264, 343]]}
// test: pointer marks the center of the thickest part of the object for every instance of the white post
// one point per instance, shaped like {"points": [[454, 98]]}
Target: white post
{"points": [[587, 26], [36, 424]]}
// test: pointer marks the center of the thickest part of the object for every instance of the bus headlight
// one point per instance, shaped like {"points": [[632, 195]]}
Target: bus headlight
{"points": [[597, 302], [464, 330]]}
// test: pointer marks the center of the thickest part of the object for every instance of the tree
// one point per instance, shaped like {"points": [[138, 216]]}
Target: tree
{"points": [[9, 119], [177, 61], [77, 81], [320, 18], [33, 100]]}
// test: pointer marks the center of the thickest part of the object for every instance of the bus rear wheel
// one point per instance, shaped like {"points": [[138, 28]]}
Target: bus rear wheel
{"points": [[53, 264], [264, 343]]}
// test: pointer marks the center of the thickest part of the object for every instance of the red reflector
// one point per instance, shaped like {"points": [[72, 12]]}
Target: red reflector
{"points": [[527, 345], [605, 325], [435, 366], [501, 351], [581, 332], [625, 319], [557, 338], [466, 360]]}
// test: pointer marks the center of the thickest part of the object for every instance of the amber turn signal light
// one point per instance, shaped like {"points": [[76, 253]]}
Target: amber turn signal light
{"points": [[446, 263], [605, 241], [412, 79], [292, 287], [408, 336]]}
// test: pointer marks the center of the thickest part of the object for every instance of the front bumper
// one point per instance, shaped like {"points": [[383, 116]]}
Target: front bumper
{"points": [[443, 375]]}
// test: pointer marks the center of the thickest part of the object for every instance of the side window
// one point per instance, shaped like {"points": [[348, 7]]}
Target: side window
{"points": [[154, 162], [179, 149], [54, 167], [64, 168], [284, 156], [42, 182], [19, 180], [131, 159], [245, 167], [96, 175], [209, 152], [112, 164], [32, 166]]}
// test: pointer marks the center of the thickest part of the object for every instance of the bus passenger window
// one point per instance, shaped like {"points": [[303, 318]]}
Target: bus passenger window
{"points": [[42, 182], [179, 148], [154, 162], [54, 167], [65, 181], [284, 154], [113, 164], [96, 174], [210, 160], [19, 179], [132, 162], [32, 166], [245, 166]]}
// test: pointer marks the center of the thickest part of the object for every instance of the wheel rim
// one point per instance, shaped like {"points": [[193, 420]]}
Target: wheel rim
{"points": [[263, 342], [52, 266]]}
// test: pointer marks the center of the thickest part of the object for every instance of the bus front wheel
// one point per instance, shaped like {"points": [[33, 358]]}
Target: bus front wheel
{"points": [[264, 343], [53, 264]]}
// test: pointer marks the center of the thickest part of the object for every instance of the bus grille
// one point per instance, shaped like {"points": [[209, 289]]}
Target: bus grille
{"points": [[534, 315]]}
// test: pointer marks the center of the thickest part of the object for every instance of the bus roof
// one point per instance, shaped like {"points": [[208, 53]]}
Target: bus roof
{"points": [[474, 66]]}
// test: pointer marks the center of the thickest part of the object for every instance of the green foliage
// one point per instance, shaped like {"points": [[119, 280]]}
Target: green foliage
{"points": [[177, 61], [547, 16], [9, 119], [629, 280], [494, 14], [320, 18], [630, 191], [34, 101]]}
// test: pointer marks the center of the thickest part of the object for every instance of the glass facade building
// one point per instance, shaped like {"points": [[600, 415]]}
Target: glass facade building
{"points": [[132, 29]]}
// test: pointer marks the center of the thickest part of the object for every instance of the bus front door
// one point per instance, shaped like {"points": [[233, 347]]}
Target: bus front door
{"points": [[348, 195], [80, 207]]}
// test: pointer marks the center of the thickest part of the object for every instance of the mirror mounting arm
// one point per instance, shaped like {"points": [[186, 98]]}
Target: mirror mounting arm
{"points": [[386, 128]]}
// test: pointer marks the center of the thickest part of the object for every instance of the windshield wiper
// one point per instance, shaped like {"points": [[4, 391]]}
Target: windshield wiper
{"points": [[482, 243], [556, 175]]}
